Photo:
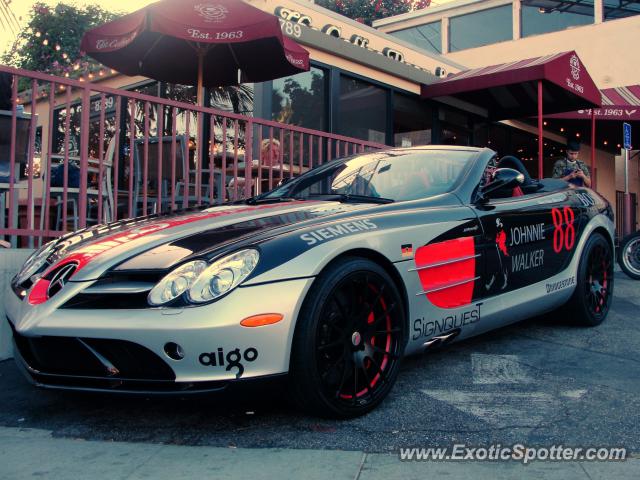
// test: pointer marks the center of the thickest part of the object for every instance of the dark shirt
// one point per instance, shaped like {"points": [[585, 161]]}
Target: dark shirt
{"points": [[563, 167]]}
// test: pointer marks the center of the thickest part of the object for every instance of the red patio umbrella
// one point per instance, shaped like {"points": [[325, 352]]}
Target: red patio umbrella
{"points": [[184, 41]]}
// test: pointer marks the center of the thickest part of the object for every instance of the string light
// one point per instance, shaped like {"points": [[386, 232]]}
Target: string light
{"points": [[65, 56], [562, 129], [605, 142], [58, 48], [578, 135], [45, 42], [38, 34], [619, 145], [544, 123]]}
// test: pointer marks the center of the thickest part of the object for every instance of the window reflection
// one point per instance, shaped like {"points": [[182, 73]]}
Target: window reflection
{"points": [[300, 99], [536, 19], [427, 36], [362, 110], [481, 28]]}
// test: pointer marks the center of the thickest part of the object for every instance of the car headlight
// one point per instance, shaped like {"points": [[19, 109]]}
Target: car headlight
{"points": [[35, 262], [203, 282], [176, 283]]}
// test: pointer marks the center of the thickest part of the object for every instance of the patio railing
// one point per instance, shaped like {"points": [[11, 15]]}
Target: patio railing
{"points": [[74, 154]]}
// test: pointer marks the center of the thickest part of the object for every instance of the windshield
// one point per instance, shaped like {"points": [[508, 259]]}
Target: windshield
{"points": [[396, 175]]}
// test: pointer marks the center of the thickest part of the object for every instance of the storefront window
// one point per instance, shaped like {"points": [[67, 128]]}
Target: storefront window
{"points": [[614, 9], [427, 37], [536, 20], [481, 28], [362, 110], [454, 126], [412, 121], [300, 99]]}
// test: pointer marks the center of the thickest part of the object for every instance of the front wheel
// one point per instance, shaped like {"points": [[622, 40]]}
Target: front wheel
{"points": [[629, 255], [349, 340]]}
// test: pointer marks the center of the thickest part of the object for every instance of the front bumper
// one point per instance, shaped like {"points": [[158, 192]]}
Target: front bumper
{"points": [[125, 350]]}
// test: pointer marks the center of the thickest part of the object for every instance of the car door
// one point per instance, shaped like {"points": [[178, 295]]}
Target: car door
{"points": [[525, 240]]}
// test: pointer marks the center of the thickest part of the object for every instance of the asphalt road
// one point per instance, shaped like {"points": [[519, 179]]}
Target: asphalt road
{"points": [[539, 382]]}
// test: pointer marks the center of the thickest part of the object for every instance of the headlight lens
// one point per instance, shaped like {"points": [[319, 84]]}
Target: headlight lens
{"points": [[223, 276], [176, 283], [204, 282], [35, 262]]}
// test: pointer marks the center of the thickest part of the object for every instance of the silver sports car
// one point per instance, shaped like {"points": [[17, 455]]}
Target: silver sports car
{"points": [[324, 283]]}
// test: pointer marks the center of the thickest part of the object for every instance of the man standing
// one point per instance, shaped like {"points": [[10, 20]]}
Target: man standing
{"points": [[572, 170]]}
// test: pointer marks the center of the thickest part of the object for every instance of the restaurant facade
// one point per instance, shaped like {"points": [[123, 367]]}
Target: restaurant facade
{"points": [[366, 83]]}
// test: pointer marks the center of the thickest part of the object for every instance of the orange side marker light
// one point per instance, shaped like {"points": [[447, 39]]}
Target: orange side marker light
{"points": [[262, 320]]}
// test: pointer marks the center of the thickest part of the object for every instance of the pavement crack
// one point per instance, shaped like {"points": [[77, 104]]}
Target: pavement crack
{"points": [[362, 461], [585, 471], [546, 340], [142, 464]]}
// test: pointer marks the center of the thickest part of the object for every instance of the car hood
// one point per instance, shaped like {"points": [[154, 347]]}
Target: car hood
{"points": [[159, 242]]}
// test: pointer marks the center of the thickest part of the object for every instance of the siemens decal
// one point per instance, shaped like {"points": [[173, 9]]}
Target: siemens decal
{"points": [[338, 230]]}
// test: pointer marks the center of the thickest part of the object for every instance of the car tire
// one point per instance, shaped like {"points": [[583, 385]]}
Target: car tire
{"points": [[629, 255], [349, 340], [590, 302]]}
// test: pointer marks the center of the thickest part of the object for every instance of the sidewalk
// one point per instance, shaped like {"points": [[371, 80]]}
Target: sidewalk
{"points": [[30, 453]]}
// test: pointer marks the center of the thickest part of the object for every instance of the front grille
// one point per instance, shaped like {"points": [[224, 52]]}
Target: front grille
{"points": [[73, 357], [123, 300], [95, 301]]}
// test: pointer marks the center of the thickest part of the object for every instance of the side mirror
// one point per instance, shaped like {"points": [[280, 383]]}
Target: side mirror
{"points": [[284, 181], [503, 179]]}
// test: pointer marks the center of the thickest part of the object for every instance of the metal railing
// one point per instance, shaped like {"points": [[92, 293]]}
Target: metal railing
{"points": [[74, 153]]}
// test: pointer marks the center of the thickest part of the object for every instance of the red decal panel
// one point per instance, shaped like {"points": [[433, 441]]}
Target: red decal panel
{"points": [[441, 276]]}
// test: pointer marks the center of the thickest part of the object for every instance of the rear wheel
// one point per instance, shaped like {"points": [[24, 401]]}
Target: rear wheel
{"points": [[629, 255], [591, 300], [349, 340]]}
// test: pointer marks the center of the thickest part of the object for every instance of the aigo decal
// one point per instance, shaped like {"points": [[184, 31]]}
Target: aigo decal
{"points": [[564, 233], [233, 359]]}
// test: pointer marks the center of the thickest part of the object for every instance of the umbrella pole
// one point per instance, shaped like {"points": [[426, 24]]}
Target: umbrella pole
{"points": [[200, 93], [540, 141], [593, 149]]}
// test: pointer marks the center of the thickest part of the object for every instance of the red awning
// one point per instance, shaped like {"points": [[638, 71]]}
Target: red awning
{"points": [[620, 103], [509, 90]]}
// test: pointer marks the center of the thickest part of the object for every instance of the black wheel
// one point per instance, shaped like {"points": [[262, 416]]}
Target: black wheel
{"points": [[629, 255], [349, 340], [591, 300]]}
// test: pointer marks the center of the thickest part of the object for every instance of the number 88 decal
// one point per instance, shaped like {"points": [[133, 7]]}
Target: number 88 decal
{"points": [[564, 234]]}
